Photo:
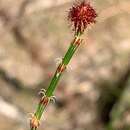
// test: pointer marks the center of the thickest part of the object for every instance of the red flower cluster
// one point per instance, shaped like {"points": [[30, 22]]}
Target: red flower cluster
{"points": [[81, 15]]}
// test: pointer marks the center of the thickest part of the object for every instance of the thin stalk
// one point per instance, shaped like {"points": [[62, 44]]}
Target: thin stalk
{"points": [[57, 75]]}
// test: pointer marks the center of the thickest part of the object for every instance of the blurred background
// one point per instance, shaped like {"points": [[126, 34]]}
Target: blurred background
{"points": [[94, 91]]}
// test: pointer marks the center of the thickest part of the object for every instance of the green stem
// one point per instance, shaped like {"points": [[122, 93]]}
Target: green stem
{"points": [[53, 84]]}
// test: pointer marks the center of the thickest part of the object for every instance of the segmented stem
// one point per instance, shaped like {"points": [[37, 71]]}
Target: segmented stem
{"points": [[34, 123]]}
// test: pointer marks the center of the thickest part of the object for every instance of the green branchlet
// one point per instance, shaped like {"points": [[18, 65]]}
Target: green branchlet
{"points": [[48, 94]]}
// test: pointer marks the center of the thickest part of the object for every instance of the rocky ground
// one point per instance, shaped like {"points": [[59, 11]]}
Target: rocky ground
{"points": [[94, 91]]}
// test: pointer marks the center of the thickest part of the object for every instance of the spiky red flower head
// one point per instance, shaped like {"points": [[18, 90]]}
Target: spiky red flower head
{"points": [[81, 15]]}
